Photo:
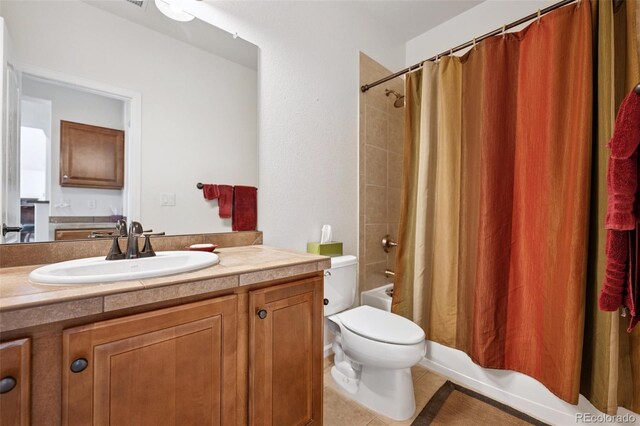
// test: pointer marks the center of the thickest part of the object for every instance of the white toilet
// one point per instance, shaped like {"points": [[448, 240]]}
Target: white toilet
{"points": [[374, 349]]}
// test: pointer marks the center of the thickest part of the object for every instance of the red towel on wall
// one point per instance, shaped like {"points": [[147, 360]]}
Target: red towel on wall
{"points": [[245, 208], [620, 287], [224, 194], [210, 192]]}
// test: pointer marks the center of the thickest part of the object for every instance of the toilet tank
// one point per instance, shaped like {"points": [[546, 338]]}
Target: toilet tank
{"points": [[340, 284]]}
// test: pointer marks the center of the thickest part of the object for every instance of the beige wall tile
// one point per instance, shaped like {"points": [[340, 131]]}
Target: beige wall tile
{"points": [[396, 131], [373, 247], [374, 275], [375, 199], [378, 197], [393, 205], [394, 174], [376, 165], [376, 127]]}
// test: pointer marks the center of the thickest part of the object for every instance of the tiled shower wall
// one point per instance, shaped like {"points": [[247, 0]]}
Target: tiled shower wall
{"points": [[381, 146]]}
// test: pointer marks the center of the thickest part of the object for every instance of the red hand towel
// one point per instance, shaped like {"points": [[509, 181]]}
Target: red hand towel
{"points": [[224, 194], [245, 208], [210, 192]]}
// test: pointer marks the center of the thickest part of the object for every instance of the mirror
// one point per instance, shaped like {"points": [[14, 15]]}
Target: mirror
{"points": [[158, 105]]}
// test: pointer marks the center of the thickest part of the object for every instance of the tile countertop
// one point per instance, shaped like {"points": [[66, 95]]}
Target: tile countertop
{"points": [[24, 304]]}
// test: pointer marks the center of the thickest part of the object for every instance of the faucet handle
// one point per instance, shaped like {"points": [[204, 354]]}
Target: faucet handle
{"points": [[147, 250], [114, 252]]}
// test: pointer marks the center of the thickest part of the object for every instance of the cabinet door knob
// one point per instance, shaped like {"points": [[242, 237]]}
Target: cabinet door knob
{"points": [[65, 177], [7, 384], [262, 314], [326, 302], [79, 365]]}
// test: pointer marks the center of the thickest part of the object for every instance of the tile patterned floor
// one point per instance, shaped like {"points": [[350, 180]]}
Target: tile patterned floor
{"points": [[339, 410]]}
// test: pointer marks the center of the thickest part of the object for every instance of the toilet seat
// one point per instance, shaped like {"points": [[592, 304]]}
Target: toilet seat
{"points": [[381, 326]]}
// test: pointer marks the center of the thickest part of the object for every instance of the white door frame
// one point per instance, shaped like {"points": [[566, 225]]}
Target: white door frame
{"points": [[133, 123]]}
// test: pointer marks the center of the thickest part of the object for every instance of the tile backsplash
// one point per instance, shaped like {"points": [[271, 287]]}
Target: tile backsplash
{"points": [[58, 251]]}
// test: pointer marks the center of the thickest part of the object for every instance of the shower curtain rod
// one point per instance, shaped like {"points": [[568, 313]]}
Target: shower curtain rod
{"points": [[476, 40]]}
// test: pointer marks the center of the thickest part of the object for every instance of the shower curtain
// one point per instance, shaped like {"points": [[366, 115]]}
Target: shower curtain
{"points": [[495, 207], [611, 356]]}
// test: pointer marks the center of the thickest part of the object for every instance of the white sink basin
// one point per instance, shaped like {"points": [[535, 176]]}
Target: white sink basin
{"points": [[98, 270]]}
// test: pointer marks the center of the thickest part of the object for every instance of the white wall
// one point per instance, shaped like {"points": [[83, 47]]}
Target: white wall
{"points": [[70, 104], [308, 100], [479, 20], [199, 113]]}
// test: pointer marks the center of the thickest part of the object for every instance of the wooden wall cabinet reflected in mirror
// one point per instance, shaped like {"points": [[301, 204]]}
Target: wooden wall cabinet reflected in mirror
{"points": [[91, 156]]}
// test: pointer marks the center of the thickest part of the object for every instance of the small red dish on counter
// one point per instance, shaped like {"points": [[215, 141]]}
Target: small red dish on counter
{"points": [[202, 247]]}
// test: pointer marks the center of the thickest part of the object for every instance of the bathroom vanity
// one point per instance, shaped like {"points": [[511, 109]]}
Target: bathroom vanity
{"points": [[233, 344]]}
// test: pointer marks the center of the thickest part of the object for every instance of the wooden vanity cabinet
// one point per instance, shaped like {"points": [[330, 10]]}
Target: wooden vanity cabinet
{"points": [[252, 357], [170, 366], [285, 354], [15, 382]]}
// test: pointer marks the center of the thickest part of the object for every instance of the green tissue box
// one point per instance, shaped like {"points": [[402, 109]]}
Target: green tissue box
{"points": [[332, 248]]}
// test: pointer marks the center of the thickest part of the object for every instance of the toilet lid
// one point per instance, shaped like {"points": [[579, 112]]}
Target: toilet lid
{"points": [[383, 326]]}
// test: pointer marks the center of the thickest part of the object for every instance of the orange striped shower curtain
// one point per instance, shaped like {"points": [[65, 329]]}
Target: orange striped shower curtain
{"points": [[494, 234], [501, 249]]}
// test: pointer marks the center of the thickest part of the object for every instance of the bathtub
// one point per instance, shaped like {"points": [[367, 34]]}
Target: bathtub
{"points": [[514, 389]]}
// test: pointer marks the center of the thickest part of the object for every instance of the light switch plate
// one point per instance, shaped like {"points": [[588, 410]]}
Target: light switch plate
{"points": [[167, 199]]}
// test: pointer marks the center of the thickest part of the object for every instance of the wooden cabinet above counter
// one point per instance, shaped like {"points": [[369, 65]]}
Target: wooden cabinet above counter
{"points": [[91, 156]]}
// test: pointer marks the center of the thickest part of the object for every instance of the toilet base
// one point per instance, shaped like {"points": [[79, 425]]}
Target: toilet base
{"points": [[386, 391]]}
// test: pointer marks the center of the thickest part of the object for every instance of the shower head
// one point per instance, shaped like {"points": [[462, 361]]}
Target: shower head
{"points": [[399, 102]]}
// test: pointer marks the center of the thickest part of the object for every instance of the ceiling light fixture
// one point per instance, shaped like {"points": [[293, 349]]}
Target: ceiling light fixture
{"points": [[172, 9]]}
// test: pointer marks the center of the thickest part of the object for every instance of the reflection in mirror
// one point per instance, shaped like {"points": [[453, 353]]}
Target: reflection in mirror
{"points": [[112, 110]]}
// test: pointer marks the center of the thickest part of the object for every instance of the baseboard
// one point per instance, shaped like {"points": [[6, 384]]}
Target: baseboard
{"points": [[517, 390]]}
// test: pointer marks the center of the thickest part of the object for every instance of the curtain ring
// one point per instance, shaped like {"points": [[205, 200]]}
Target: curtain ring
{"points": [[437, 59], [504, 30], [579, 3], [451, 52], [538, 18], [474, 43]]}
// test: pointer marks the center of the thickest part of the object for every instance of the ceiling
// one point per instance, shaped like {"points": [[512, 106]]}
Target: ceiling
{"points": [[410, 18], [196, 33], [402, 19]]}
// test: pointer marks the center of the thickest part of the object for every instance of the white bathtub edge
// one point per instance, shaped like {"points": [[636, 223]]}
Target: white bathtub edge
{"points": [[511, 388]]}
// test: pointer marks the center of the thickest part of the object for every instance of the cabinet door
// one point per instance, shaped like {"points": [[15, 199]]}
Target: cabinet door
{"points": [[285, 346], [171, 366], [15, 382], [91, 156]]}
